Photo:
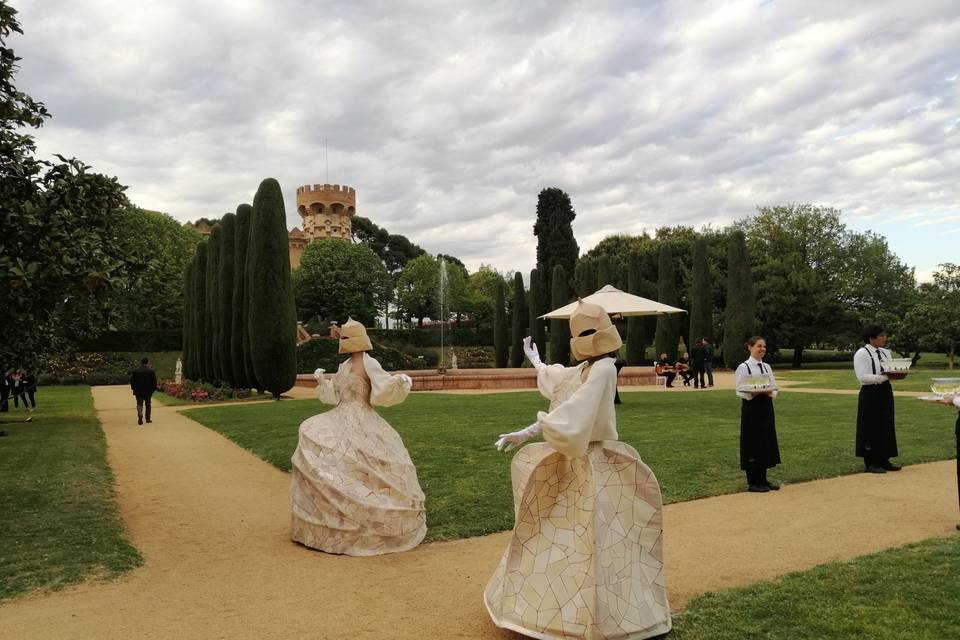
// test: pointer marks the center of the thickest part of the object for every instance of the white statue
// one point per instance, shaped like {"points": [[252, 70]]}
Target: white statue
{"points": [[178, 372], [453, 359]]}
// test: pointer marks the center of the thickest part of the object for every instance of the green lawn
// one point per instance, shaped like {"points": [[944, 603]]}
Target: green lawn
{"points": [[917, 380], [690, 441], [58, 520], [911, 593]]}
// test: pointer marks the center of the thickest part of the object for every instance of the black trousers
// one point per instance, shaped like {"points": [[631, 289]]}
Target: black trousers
{"points": [[698, 377], [143, 401], [756, 475], [17, 397], [31, 396]]}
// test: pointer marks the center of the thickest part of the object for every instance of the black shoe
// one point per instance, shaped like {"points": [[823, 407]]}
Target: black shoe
{"points": [[149, 421], [139, 420], [669, 386], [875, 469], [758, 488], [773, 486], [891, 467]]}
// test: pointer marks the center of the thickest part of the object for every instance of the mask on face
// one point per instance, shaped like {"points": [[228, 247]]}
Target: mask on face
{"points": [[605, 338], [353, 337]]}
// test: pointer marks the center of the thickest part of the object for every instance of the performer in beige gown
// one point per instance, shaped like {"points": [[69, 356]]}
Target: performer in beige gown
{"points": [[354, 488], [586, 556]]}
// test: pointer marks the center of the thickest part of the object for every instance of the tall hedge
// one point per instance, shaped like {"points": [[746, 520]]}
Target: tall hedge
{"points": [[585, 277], [186, 351], [537, 306], [239, 336], [271, 316], [200, 312], [520, 318], [667, 337], [701, 296], [213, 305], [738, 321], [636, 336], [500, 335], [604, 272], [228, 227], [559, 329]]}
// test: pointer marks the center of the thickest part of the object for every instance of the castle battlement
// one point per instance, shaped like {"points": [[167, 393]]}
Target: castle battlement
{"points": [[342, 193]]}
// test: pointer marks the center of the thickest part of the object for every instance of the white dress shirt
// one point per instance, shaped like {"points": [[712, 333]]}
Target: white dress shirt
{"points": [[866, 364], [756, 368]]}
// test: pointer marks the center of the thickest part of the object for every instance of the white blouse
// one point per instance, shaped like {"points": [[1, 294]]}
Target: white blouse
{"points": [[866, 364], [756, 367]]}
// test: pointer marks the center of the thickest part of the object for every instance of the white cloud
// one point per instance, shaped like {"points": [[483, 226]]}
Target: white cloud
{"points": [[449, 119]]}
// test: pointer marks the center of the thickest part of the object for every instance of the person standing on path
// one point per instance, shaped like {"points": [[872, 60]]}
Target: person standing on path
{"points": [[954, 401], [759, 450], [876, 432], [708, 360], [143, 381], [698, 359]]}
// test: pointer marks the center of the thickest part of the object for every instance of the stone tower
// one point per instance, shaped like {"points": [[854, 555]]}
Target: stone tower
{"points": [[327, 210]]}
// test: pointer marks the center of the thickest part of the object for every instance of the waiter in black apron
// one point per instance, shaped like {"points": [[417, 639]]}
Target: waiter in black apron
{"points": [[876, 434], [954, 401]]}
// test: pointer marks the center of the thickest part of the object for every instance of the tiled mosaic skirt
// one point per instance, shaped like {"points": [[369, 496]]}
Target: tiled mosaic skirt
{"points": [[586, 556], [353, 488]]}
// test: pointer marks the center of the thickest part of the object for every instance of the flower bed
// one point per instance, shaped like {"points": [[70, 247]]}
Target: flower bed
{"points": [[202, 392]]}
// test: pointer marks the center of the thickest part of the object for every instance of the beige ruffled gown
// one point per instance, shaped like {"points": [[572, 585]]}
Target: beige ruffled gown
{"points": [[354, 488], [586, 556]]}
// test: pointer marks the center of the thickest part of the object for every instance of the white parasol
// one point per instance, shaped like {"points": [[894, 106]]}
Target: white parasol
{"points": [[617, 303]]}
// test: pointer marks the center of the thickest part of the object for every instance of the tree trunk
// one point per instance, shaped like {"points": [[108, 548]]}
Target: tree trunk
{"points": [[952, 354], [797, 357]]}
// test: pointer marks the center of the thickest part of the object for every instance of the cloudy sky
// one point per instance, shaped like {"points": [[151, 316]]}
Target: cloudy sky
{"points": [[450, 117]]}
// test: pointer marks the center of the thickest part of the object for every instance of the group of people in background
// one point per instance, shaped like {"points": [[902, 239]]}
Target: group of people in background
{"points": [[18, 386], [695, 365]]}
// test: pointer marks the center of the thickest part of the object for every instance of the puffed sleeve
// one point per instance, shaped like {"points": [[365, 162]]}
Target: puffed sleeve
{"points": [[569, 426], [550, 377], [386, 390], [327, 390]]}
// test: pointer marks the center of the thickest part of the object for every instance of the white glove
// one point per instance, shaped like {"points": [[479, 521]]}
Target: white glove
{"points": [[318, 374], [512, 440], [533, 355]]}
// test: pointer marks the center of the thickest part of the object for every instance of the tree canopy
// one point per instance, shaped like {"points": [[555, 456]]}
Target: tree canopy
{"points": [[554, 231], [60, 262], [337, 279]]}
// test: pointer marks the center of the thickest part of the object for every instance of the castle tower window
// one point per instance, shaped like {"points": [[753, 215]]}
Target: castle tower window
{"points": [[351, 211], [316, 207], [302, 210], [337, 208]]}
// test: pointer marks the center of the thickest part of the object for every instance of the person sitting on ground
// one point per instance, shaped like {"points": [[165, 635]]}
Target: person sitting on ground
{"points": [[143, 382], [682, 367], [665, 369]]}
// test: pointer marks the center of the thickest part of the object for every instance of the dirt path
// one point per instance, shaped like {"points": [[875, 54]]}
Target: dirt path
{"points": [[211, 522]]}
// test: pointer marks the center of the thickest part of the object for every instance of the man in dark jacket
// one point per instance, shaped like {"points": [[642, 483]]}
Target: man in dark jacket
{"points": [[698, 359], [143, 381]]}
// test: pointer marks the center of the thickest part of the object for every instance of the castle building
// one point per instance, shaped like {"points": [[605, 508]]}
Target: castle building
{"points": [[327, 211]]}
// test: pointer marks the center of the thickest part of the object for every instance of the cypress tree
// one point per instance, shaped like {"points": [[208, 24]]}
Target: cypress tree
{"points": [[272, 317], [200, 313], [228, 227], [586, 277], [667, 337], [553, 228], [636, 336], [604, 272], [701, 299], [186, 347], [500, 340], [538, 329], [520, 317], [239, 340], [559, 329], [738, 319], [212, 305]]}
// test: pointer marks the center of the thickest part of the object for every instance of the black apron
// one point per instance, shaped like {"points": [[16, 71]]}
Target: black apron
{"points": [[758, 432], [876, 435]]}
